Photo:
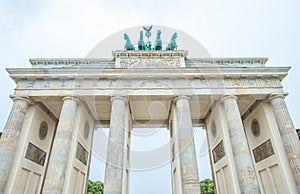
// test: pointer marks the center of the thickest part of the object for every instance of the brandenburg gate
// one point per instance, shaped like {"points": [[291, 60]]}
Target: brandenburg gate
{"points": [[46, 143]]}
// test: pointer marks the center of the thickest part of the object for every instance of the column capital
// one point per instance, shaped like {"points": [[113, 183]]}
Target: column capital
{"points": [[24, 98], [181, 97], [71, 98], [225, 97], [124, 98], [276, 95]]}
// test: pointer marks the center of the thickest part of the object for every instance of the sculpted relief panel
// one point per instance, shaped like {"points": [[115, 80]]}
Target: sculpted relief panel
{"points": [[218, 152], [163, 62], [35, 154], [263, 151], [149, 83], [82, 154]]}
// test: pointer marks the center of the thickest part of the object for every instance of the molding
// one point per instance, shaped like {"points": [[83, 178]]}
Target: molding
{"points": [[230, 60], [124, 98], [225, 97], [181, 97], [93, 73], [151, 53], [181, 53], [151, 83], [276, 95], [71, 98], [23, 98], [69, 61], [148, 124]]}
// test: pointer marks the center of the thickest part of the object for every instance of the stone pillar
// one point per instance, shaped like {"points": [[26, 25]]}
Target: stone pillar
{"points": [[10, 137], [56, 172], [115, 150], [187, 152], [288, 134], [241, 154]]}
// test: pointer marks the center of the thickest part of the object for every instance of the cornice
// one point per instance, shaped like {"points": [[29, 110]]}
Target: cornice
{"points": [[70, 61], [187, 73], [109, 62], [152, 53]]}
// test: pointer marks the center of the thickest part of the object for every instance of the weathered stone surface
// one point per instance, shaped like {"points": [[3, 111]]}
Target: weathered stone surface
{"points": [[58, 163], [288, 134], [149, 83], [263, 151], [115, 150], [241, 154], [35, 154], [218, 152], [81, 154], [10, 137], [187, 155], [147, 77]]}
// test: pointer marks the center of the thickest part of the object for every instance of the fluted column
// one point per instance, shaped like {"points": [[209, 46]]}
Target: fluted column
{"points": [[288, 134], [10, 137], [241, 154], [55, 177], [115, 150], [187, 155]]}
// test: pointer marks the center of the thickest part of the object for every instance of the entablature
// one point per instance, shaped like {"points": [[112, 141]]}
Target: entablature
{"points": [[89, 73]]}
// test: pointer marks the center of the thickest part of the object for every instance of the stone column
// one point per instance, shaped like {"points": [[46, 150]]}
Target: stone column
{"points": [[115, 150], [241, 154], [288, 134], [187, 152], [55, 177], [10, 137]]}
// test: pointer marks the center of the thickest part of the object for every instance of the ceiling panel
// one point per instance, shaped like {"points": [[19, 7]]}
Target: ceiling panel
{"points": [[150, 110], [244, 103]]}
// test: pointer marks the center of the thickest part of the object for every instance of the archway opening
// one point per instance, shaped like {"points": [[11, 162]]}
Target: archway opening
{"points": [[150, 169]]}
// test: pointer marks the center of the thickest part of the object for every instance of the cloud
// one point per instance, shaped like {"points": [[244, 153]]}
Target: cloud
{"points": [[226, 28]]}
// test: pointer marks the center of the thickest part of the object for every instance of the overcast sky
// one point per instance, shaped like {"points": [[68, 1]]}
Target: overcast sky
{"points": [[71, 28]]}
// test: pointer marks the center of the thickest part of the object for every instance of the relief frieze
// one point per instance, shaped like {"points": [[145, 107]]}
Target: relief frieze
{"points": [[218, 152], [149, 83], [45, 84], [35, 154], [162, 62], [81, 154], [263, 151]]}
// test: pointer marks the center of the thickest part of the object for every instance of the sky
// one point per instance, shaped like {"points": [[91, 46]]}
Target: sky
{"points": [[226, 28]]}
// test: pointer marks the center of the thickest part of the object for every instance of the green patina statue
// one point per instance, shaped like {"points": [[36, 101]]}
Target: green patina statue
{"points": [[128, 45], [158, 42], [148, 46], [172, 45], [141, 43], [148, 34]]}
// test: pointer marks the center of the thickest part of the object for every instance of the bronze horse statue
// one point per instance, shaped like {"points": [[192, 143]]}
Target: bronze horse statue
{"points": [[128, 45], [158, 42], [172, 45], [141, 43]]}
